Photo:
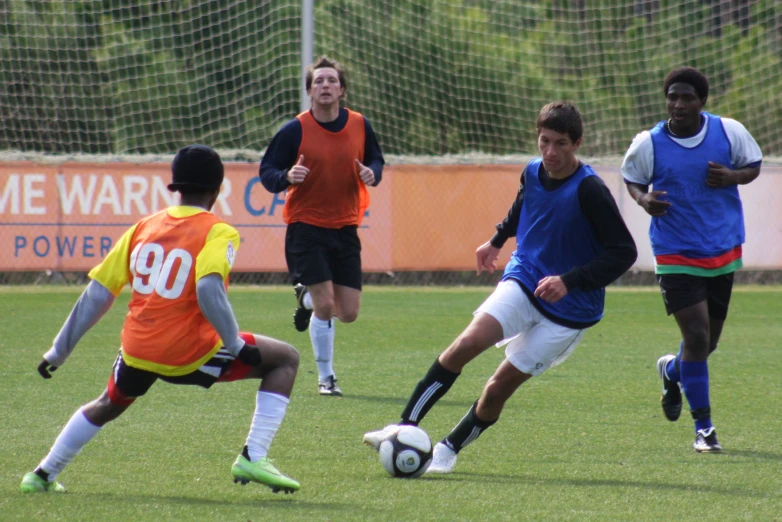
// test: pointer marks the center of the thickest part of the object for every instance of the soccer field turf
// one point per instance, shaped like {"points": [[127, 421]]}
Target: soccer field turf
{"points": [[585, 441]]}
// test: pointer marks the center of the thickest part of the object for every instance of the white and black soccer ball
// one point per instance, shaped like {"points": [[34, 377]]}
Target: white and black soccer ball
{"points": [[406, 452]]}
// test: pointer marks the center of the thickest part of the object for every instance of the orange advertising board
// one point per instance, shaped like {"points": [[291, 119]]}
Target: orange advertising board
{"points": [[422, 217], [67, 217]]}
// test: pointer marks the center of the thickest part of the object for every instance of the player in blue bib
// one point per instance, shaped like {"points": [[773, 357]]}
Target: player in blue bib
{"points": [[695, 162], [571, 242]]}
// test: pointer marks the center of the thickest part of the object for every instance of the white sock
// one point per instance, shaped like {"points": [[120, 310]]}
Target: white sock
{"points": [[307, 301], [269, 411], [322, 337], [73, 437]]}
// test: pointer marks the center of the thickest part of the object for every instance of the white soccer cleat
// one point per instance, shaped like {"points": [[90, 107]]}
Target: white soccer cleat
{"points": [[374, 438], [443, 460]]}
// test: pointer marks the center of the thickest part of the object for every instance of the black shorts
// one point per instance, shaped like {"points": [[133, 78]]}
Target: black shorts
{"points": [[316, 254], [128, 383], [681, 291]]}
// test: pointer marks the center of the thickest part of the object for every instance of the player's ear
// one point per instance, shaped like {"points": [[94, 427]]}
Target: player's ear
{"points": [[213, 199]]}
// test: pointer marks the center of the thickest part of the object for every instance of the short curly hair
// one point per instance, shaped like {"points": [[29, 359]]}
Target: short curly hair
{"points": [[690, 76]]}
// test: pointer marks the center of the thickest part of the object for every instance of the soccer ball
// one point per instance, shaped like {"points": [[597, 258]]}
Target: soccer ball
{"points": [[406, 452]]}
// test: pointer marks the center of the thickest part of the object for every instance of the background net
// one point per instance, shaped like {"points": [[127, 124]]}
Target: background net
{"points": [[440, 81], [434, 76]]}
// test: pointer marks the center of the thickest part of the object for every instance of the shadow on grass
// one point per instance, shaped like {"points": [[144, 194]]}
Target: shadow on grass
{"points": [[532, 480], [403, 400], [278, 500], [760, 455]]}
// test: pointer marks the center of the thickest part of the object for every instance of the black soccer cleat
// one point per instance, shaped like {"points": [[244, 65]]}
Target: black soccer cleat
{"points": [[706, 441], [671, 399], [301, 317]]}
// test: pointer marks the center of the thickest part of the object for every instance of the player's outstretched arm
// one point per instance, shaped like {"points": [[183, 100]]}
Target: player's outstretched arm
{"points": [[93, 304]]}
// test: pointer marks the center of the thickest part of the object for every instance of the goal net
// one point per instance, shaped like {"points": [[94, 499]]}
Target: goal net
{"points": [[435, 77]]}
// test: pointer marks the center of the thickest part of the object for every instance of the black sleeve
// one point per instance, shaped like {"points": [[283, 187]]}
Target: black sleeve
{"points": [[510, 224], [280, 156], [619, 251], [373, 156]]}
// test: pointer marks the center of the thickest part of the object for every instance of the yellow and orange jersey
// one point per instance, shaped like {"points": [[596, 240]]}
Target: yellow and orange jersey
{"points": [[162, 256], [332, 195]]}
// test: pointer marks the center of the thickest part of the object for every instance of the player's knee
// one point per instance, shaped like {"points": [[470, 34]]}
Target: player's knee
{"points": [[696, 339], [347, 316], [292, 357], [323, 303], [105, 409], [470, 342], [287, 356], [463, 350]]}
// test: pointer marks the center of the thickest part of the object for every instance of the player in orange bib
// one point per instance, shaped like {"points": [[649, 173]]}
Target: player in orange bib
{"points": [[324, 159], [179, 328]]}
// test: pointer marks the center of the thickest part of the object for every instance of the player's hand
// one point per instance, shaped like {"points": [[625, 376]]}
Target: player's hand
{"points": [[45, 368], [486, 257], [551, 289], [297, 173], [719, 176], [653, 205], [365, 173], [250, 355]]}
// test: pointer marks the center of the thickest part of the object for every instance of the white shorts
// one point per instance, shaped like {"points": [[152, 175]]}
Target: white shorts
{"points": [[534, 342]]}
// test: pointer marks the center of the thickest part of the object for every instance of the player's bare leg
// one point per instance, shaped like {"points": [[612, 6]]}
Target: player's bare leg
{"points": [[483, 332], [82, 427], [484, 413]]}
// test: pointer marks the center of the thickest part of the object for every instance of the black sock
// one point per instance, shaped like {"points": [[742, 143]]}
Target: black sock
{"points": [[427, 392], [468, 429], [41, 473], [246, 453]]}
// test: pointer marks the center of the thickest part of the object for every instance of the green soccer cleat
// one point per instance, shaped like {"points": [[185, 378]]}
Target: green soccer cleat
{"points": [[33, 483], [262, 472]]}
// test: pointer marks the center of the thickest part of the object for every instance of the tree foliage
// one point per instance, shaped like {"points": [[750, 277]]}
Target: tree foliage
{"points": [[433, 76]]}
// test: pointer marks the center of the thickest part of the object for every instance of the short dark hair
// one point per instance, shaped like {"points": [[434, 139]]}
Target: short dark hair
{"points": [[690, 76], [196, 169], [325, 62], [563, 117]]}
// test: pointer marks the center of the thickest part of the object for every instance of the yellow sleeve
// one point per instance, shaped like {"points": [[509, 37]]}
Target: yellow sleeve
{"points": [[219, 252], [114, 271]]}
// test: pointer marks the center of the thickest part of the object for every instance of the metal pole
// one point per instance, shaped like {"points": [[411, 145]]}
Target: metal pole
{"points": [[307, 44]]}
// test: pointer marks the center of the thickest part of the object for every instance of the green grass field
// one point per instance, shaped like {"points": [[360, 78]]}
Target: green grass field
{"points": [[585, 441]]}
